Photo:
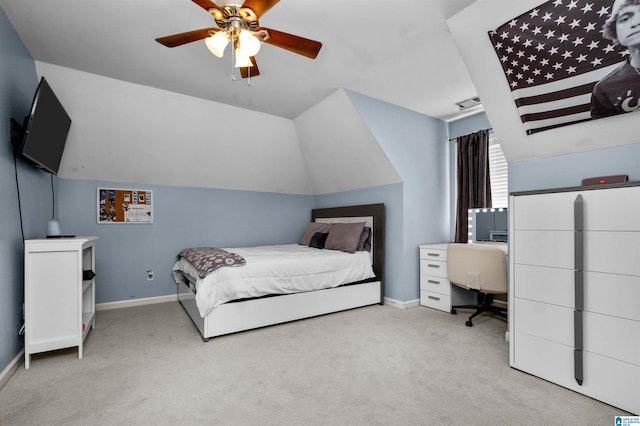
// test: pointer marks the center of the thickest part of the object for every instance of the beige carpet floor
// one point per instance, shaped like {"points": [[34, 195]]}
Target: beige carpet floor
{"points": [[377, 365]]}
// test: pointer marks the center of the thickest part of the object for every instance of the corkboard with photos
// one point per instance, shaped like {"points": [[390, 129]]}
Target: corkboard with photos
{"points": [[117, 205]]}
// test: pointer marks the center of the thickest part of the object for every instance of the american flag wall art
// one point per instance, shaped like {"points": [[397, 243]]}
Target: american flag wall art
{"points": [[552, 57]]}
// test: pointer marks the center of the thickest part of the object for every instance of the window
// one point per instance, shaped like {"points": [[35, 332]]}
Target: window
{"points": [[499, 173]]}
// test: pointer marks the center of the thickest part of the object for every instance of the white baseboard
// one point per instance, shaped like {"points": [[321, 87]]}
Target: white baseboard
{"points": [[11, 368], [136, 302], [401, 305], [174, 298]]}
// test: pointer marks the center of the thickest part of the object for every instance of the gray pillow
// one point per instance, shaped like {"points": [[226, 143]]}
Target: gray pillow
{"points": [[311, 229], [365, 240], [344, 236]]}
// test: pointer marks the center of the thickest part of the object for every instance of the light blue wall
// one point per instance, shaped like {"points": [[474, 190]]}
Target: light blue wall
{"points": [[415, 145], [182, 217], [569, 170], [18, 82], [468, 125], [391, 196]]}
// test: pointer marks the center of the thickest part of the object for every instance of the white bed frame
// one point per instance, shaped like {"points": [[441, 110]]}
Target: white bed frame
{"points": [[254, 313]]}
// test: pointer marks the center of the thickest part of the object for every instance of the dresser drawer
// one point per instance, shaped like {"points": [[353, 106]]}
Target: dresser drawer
{"points": [[435, 300], [615, 295], [434, 268], [433, 253], [544, 248], [435, 284], [609, 294], [544, 320], [604, 335], [604, 210], [544, 284], [604, 251], [605, 379]]}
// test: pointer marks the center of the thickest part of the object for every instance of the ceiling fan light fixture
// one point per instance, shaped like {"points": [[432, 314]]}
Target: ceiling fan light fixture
{"points": [[249, 44], [242, 60], [237, 24], [217, 43]]}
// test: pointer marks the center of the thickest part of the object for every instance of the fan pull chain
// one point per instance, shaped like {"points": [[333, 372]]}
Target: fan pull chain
{"points": [[233, 58]]}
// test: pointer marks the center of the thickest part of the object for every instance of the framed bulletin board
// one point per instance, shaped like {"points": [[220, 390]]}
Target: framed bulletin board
{"points": [[117, 205]]}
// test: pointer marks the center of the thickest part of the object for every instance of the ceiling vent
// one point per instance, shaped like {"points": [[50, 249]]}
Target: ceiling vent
{"points": [[468, 103]]}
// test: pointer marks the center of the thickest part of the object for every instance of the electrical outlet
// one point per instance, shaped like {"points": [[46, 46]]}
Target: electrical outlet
{"points": [[149, 274]]}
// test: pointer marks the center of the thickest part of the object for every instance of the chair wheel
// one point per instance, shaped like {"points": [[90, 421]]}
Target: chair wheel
{"points": [[468, 323], [453, 312]]}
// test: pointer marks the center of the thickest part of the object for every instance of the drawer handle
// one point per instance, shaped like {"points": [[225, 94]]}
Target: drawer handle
{"points": [[433, 254], [430, 265], [433, 298], [433, 282]]}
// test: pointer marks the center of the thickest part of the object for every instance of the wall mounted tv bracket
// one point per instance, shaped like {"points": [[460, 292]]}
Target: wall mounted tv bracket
{"points": [[17, 131]]}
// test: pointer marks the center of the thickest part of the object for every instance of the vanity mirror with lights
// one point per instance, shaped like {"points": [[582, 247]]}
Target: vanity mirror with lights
{"points": [[488, 225]]}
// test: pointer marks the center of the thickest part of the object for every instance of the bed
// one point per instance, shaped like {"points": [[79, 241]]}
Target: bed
{"points": [[236, 298]]}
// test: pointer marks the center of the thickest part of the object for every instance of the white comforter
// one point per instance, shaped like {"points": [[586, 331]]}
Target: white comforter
{"points": [[280, 269]]}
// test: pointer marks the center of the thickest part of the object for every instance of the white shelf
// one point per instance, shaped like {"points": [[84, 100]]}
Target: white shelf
{"points": [[87, 323], [59, 304]]}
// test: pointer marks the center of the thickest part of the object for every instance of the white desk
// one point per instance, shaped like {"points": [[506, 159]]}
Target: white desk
{"points": [[436, 291]]}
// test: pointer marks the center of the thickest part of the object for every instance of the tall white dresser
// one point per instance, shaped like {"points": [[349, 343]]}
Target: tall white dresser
{"points": [[574, 291]]}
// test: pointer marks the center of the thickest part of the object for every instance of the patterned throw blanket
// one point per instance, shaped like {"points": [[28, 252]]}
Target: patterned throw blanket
{"points": [[208, 259]]}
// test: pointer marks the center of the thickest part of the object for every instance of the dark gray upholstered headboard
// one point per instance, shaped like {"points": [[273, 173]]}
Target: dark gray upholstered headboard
{"points": [[376, 211]]}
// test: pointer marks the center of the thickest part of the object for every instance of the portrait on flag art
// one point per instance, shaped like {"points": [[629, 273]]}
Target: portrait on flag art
{"points": [[569, 61]]}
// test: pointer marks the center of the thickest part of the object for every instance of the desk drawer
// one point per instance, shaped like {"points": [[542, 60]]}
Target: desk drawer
{"points": [[434, 268], [433, 254], [438, 301], [435, 284]]}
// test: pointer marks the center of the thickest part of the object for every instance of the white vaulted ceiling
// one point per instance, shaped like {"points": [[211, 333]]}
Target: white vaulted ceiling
{"points": [[400, 52]]}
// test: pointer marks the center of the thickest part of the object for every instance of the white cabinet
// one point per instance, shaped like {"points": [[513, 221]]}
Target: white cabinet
{"points": [[59, 303], [575, 290], [435, 289]]}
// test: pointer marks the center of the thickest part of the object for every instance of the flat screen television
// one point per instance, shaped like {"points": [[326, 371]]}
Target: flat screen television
{"points": [[43, 134]]}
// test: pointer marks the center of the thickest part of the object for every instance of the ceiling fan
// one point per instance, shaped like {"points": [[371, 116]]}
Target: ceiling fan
{"points": [[238, 25]]}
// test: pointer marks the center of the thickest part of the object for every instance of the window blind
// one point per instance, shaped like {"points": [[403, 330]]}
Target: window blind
{"points": [[499, 173]]}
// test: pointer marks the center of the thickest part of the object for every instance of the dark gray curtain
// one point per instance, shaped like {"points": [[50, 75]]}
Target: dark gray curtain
{"points": [[473, 183]]}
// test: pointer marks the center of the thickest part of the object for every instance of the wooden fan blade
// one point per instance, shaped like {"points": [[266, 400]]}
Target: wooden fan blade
{"points": [[253, 71], [184, 38], [260, 7], [207, 4], [296, 44]]}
